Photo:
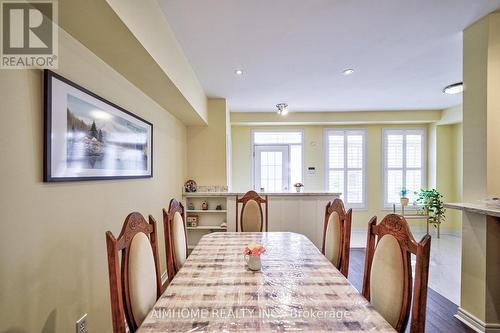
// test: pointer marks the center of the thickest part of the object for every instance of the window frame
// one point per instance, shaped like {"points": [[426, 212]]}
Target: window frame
{"points": [[253, 144], [355, 206], [405, 131]]}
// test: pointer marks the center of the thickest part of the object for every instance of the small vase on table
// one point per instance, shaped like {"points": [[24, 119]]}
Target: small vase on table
{"points": [[252, 254]]}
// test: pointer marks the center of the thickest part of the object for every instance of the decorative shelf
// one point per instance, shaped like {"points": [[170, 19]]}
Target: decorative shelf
{"points": [[206, 194], [209, 220], [206, 227], [206, 211]]}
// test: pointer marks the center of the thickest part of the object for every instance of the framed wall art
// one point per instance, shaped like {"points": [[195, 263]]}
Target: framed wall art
{"points": [[90, 138]]}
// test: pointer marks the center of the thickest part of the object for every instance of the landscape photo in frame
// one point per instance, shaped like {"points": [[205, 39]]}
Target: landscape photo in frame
{"points": [[90, 138]]}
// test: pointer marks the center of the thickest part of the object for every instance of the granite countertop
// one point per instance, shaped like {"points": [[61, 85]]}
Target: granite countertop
{"points": [[479, 208]]}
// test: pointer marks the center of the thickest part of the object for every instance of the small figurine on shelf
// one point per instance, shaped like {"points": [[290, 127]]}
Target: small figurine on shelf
{"points": [[191, 206], [223, 225], [204, 205], [219, 207], [190, 186], [192, 221], [298, 186]]}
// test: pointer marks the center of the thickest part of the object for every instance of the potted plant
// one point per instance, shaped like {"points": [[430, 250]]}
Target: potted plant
{"points": [[298, 186], [432, 201], [403, 198]]}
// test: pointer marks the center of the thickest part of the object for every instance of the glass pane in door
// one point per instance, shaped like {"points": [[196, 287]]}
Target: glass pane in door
{"points": [[271, 168]]}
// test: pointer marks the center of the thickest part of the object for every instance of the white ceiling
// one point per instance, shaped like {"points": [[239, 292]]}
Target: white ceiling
{"points": [[403, 51]]}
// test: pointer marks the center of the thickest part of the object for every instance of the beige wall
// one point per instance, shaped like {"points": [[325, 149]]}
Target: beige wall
{"points": [[54, 266], [473, 281], [127, 44], [457, 133], [432, 155], [480, 290], [449, 170], [206, 147], [453, 115], [158, 38], [493, 108], [336, 118], [313, 156]]}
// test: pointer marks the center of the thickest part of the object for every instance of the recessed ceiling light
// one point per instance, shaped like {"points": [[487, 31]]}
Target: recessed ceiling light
{"points": [[238, 71], [454, 88], [348, 71], [282, 109]]}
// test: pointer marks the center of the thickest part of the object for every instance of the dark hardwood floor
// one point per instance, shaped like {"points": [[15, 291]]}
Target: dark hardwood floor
{"points": [[440, 310]]}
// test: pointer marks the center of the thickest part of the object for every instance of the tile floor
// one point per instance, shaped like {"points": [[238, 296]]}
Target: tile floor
{"points": [[445, 264]]}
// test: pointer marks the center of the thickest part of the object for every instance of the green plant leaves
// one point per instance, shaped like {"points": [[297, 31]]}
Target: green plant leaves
{"points": [[432, 200]]}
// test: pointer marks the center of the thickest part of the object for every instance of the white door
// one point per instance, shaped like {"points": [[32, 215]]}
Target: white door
{"points": [[271, 170]]}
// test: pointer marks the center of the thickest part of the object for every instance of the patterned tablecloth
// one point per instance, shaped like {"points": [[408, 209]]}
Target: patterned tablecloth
{"points": [[298, 289]]}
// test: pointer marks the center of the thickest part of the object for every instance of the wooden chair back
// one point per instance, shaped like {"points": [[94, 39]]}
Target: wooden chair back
{"points": [[394, 232], [174, 227], [123, 281], [251, 217], [337, 235]]}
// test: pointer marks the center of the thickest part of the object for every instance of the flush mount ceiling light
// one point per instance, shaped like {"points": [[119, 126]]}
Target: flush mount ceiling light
{"points": [[348, 71], [238, 71], [282, 109], [454, 88]]}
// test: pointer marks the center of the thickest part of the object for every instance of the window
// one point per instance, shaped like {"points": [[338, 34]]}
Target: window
{"points": [[346, 165], [403, 163], [277, 160]]}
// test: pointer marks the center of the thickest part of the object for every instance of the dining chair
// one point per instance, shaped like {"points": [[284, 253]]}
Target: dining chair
{"points": [[337, 235], [135, 284], [251, 216], [388, 281], [174, 228]]}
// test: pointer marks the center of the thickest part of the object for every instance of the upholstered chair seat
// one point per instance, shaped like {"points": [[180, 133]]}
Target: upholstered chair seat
{"points": [[141, 275], [251, 217], [388, 277], [179, 239], [135, 284], [175, 237], [337, 235]]}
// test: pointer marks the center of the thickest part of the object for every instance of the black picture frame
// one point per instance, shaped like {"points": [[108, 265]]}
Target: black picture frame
{"points": [[128, 117]]}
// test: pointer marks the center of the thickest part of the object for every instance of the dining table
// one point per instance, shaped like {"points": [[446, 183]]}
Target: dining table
{"points": [[297, 290]]}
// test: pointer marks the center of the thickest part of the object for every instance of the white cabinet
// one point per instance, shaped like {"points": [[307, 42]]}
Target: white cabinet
{"points": [[209, 220], [295, 212]]}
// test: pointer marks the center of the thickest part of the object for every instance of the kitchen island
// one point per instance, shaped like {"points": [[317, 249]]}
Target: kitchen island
{"points": [[301, 212], [480, 289]]}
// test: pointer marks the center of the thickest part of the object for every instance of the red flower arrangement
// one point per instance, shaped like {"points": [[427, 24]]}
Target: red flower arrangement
{"points": [[254, 249]]}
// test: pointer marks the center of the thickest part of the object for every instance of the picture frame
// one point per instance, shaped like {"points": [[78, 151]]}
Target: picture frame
{"points": [[87, 137]]}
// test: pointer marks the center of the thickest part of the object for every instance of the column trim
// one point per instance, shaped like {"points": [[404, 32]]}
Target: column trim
{"points": [[475, 323]]}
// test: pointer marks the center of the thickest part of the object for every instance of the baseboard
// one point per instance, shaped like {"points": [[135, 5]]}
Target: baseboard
{"points": [[475, 323]]}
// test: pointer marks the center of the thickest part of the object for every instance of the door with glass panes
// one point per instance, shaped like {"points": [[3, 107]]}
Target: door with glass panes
{"points": [[271, 169]]}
